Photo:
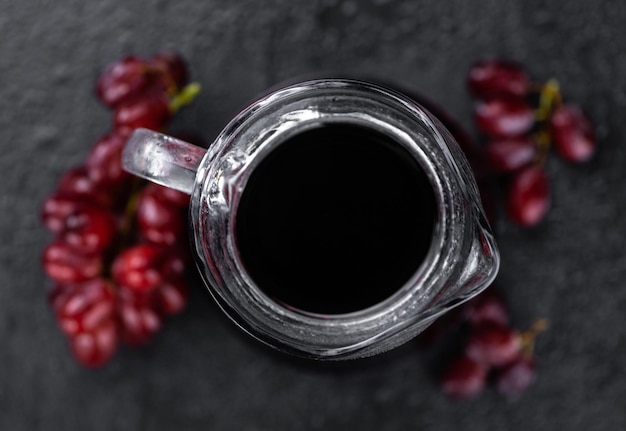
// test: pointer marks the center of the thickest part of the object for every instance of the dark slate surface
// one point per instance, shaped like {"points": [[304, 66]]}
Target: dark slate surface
{"points": [[200, 373]]}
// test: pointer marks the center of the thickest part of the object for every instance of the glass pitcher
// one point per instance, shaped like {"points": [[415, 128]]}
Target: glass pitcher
{"points": [[300, 153]]}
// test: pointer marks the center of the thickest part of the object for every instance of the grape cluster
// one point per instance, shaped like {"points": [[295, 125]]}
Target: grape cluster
{"points": [[521, 121], [492, 351], [119, 254]]}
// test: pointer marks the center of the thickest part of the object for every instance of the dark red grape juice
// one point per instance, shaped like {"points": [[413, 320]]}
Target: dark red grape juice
{"points": [[334, 220]]}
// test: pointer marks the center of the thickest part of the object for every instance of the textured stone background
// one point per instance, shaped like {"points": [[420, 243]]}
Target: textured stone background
{"points": [[200, 373]]}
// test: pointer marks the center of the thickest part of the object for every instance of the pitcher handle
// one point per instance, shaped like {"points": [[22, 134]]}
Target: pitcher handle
{"points": [[162, 159]]}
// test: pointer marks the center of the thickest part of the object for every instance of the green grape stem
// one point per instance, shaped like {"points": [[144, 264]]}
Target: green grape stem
{"points": [[186, 95]]}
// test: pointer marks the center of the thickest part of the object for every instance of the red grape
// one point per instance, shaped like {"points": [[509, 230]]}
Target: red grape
{"points": [[173, 67], [90, 230], [572, 133], [159, 221], [464, 378], [510, 154], [171, 297], [121, 81], [496, 78], [151, 111], [138, 267], [528, 196], [104, 162], [492, 344], [76, 182], [64, 264], [57, 208], [486, 307], [516, 376], [84, 307], [96, 347], [173, 262], [138, 319], [171, 196], [504, 117]]}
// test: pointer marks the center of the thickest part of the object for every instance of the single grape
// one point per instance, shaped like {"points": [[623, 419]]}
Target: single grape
{"points": [[504, 117], [64, 264], [174, 262], [139, 267], [138, 318], [95, 348], [572, 134], [516, 376], [486, 307], [77, 183], [171, 297], [464, 378], [497, 78], [57, 208], [528, 196], [173, 66], [122, 80], [104, 162], [90, 229], [159, 221], [510, 154], [150, 111], [83, 307], [171, 196], [492, 344]]}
